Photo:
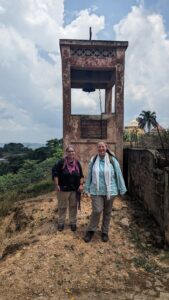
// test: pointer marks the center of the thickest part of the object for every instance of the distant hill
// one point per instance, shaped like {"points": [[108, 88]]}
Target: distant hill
{"points": [[33, 145], [29, 145]]}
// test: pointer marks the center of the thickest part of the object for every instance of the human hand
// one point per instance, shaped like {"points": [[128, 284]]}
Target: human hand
{"points": [[57, 187], [80, 189]]}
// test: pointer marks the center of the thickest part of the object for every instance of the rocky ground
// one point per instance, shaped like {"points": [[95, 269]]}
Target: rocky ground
{"points": [[38, 262]]}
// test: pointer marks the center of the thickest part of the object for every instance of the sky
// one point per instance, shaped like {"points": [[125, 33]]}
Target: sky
{"points": [[30, 61]]}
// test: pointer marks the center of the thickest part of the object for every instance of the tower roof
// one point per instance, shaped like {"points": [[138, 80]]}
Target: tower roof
{"points": [[133, 123]]}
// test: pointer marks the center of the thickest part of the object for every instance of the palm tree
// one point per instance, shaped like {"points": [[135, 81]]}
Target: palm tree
{"points": [[146, 120]]}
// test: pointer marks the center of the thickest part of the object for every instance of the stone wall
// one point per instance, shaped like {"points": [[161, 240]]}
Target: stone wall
{"points": [[147, 177]]}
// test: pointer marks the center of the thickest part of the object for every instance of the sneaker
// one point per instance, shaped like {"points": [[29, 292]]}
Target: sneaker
{"points": [[105, 237], [60, 227], [73, 227], [88, 236]]}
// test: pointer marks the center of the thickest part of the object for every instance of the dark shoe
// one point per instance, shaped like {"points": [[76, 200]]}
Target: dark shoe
{"points": [[88, 236], [60, 227], [105, 237], [73, 227]]}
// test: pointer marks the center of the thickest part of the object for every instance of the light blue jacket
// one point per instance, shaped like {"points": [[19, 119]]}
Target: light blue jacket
{"points": [[117, 182]]}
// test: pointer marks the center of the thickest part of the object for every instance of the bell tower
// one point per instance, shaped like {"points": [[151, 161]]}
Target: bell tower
{"points": [[90, 65]]}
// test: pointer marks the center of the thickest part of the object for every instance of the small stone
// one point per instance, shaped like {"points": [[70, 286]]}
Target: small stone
{"points": [[159, 289], [157, 283], [148, 284], [163, 296], [100, 251], [152, 293], [139, 297], [124, 222], [117, 204]]}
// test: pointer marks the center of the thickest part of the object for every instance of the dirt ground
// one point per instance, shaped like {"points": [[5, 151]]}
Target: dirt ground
{"points": [[38, 262]]}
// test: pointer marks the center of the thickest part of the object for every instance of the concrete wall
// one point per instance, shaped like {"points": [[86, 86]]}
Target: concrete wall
{"points": [[147, 178]]}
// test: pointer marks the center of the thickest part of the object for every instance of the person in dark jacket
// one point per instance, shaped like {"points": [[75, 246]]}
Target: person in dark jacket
{"points": [[68, 179]]}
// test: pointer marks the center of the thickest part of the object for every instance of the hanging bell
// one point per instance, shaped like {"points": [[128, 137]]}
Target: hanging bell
{"points": [[88, 87]]}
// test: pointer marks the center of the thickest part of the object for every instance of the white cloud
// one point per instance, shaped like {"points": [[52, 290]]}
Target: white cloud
{"points": [[2, 10], [30, 66], [147, 63], [79, 28], [85, 103]]}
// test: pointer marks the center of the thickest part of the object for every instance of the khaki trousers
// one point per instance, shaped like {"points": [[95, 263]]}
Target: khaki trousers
{"points": [[67, 200], [100, 204]]}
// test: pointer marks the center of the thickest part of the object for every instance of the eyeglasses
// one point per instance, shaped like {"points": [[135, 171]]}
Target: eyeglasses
{"points": [[71, 151]]}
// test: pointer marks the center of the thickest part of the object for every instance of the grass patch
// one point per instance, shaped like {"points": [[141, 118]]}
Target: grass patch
{"points": [[145, 246], [147, 265], [32, 180], [136, 238], [5, 207], [34, 190], [9, 198], [165, 256]]}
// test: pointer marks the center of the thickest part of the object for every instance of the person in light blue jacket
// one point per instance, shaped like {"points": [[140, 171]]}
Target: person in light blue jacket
{"points": [[104, 182]]}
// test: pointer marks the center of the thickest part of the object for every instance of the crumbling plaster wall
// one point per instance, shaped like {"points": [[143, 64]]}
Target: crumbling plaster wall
{"points": [[148, 181]]}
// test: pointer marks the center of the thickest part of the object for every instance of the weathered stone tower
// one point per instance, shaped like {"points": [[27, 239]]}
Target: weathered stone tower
{"points": [[88, 65]]}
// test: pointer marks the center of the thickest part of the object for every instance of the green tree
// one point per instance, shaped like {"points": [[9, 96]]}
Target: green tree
{"points": [[147, 120], [4, 169], [13, 148], [40, 154], [15, 162], [126, 136], [1, 152], [52, 145]]}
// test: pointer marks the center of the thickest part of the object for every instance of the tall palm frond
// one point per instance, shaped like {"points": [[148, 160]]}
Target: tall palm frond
{"points": [[146, 120]]}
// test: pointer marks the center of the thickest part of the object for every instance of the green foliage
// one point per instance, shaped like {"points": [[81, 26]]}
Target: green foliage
{"points": [[4, 208], [147, 265], [58, 153], [53, 145], [30, 173], [126, 136], [40, 154], [17, 155], [130, 136], [1, 151], [4, 169], [15, 162], [32, 179], [28, 165], [7, 200], [52, 149], [13, 148], [34, 190]]}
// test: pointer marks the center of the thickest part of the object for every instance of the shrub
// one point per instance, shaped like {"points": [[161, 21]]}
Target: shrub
{"points": [[32, 179]]}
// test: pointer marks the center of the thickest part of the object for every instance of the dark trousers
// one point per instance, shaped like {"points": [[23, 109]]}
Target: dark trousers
{"points": [[100, 205]]}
